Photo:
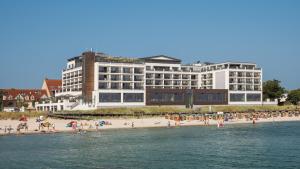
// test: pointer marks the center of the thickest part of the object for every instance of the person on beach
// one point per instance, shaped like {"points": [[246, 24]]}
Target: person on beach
{"points": [[132, 125], [53, 127], [97, 125], [169, 124], [74, 126], [81, 125]]}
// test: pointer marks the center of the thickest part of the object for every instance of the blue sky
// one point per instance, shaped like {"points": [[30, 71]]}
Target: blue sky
{"points": [[36, 37]]}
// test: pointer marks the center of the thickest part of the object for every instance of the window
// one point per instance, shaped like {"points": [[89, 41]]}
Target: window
{"points": [[115, 86], [138, 70], [166, 97], [109, 97], [102, 69], [103, 85], [127, 78], [115, 77], [102, 77], [209, 97], [32, 97], [115, 70], [127, 86], [126, 70], [253, 97], [133, 97], [237, 97]]}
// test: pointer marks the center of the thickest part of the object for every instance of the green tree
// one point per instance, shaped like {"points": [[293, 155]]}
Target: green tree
{"points": [[294, 96], [272, 89]]}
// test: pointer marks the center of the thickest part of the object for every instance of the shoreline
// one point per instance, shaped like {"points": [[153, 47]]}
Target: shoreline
{"points": [[123, 123]]}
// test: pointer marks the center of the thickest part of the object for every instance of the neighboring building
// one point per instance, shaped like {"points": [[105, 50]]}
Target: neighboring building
{"points": [[51, 86], [97, 79], [14, 99]]}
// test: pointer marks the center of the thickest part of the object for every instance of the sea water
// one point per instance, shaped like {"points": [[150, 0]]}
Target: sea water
{"points": [[264, 145]]}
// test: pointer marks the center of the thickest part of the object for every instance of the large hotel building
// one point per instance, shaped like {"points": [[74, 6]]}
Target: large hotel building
{"points": [[98, 80]]}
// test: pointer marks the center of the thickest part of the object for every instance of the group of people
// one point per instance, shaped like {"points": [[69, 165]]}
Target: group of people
{"points": [[7, 129]]}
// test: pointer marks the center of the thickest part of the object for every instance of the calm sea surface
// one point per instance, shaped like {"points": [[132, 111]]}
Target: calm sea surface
{"points": [[238, 146]]}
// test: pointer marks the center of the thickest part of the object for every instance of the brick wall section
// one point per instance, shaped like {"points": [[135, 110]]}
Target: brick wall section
{"points": [[88, 76]]}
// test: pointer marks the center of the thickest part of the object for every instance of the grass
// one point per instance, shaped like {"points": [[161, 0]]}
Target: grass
{"points": [[247, 108], [137, 110], [157, 110], [151, 110], [17, 115]]}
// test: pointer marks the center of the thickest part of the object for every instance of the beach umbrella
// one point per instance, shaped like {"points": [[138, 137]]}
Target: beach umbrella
{"points": [[23, 119]]}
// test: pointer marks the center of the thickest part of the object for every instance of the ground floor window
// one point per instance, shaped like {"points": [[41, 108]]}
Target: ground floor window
{"points": [[166, 97], [133, 97], [109, 97], [237, 97], [253, 97], [210, 97]]}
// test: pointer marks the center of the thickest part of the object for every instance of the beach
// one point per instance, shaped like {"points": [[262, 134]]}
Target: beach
{"points": [[60, 125]]}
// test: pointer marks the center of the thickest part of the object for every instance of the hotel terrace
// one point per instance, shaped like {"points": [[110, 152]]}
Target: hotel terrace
{"points": [[93, 80]]}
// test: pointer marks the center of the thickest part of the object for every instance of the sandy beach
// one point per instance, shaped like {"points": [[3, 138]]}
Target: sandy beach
{"points": [[60, 125]]}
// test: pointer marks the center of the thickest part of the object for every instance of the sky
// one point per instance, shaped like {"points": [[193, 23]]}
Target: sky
{"points": [[36, 37]]}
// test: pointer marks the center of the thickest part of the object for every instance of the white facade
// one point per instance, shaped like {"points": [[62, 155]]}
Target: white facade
{"points": [[243, 81], [71, 80], [124, 80], [118, 83]]}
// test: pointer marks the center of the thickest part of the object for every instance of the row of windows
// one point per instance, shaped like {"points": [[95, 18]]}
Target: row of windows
{"points": [[115, 69], [240, 97], [116, 97], [21, 98], [210, 97], [166, 97], [181, 97]]}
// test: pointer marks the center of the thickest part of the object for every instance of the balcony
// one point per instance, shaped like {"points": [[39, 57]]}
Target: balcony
{"points": [[149, 76], [232, 74], [256, 81], [176, 76], [127, 78], [138, 70], [176, 83], [158, 82], [127, 86], [138, 86], [115, 78], [167, 83], [115, 86], [185, 77], [232, 81], [240, 74], [103, 86], [249, 75], [249, 81], [241, 88], [127, 70], [115, 70], [102, 77], [149, 82], [103, 69], [158, 76], [136, 78], [193, 83], [167, 76]]}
